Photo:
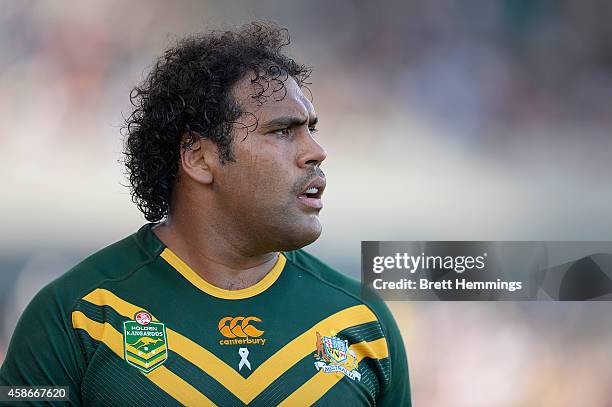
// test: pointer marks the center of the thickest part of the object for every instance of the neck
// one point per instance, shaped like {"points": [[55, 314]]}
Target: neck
{"points": [[212, 252]]}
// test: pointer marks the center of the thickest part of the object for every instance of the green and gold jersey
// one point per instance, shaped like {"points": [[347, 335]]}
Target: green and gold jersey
{"points": [[134, 325]]}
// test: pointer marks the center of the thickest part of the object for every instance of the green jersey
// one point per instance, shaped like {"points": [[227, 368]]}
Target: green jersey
{"points": [[134, 325]]}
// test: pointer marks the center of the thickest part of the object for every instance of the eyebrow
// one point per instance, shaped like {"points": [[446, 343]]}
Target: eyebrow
{"points": [[288, 121]]}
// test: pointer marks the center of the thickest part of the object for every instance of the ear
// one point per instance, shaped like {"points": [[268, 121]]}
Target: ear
{"points": [[199, 158]]}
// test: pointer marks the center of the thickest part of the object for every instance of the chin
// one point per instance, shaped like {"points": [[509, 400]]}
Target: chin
{"points": [[305, 235]]}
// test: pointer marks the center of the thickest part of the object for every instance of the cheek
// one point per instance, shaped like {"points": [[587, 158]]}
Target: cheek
{"points": [[271, 172], [264, 174], [254, 187]]}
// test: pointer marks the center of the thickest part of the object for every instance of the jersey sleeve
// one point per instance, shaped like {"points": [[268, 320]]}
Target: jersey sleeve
{"points": [[44, 350], [397, 392]]}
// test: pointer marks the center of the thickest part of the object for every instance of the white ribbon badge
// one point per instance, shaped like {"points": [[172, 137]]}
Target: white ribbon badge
{"points": [[244, 354]]}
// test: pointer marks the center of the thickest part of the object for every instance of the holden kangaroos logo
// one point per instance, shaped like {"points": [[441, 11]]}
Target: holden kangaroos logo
{"points": [[144, 342]]}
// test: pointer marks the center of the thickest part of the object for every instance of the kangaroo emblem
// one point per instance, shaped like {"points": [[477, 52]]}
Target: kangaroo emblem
{"points": [[320, 350], [145, 341]]}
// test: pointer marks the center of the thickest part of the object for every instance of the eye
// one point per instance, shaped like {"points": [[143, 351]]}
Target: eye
{"points": [[312, 130], [282, 132]]}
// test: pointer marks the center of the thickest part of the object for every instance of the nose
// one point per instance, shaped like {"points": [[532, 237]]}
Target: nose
{"points": [[311, 153]]}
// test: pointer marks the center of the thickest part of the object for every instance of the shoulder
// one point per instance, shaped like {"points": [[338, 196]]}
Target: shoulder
{"points": [[59, 356], [394, 377], [322, 271], [342, 284], [115, 262]]}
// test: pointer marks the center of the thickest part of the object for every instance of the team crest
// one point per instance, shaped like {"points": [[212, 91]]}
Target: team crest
{"points": [[333, 355], [144, 342]]}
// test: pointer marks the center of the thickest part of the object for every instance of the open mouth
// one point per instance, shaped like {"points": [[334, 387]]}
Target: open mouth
{"points": [[313, 192], [311, 196]]}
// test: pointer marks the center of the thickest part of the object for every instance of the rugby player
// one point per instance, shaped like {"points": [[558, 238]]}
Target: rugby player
{"points": [[213, 302]]}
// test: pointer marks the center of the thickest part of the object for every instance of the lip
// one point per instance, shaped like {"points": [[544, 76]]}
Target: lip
{"points": [[314, 201]]}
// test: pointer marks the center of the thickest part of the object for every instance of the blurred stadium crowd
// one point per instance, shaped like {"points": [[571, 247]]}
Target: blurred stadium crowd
{"points": [[443, 120]]}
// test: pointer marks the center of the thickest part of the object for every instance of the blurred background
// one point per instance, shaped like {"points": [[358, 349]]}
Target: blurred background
{"points": [[443, 120]]}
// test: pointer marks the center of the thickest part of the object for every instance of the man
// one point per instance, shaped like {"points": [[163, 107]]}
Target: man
{"points": [[216, 304]]}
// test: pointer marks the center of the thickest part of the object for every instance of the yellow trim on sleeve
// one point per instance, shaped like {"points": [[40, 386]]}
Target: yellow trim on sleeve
{"points": [[319, 384], [102, 297], [193, 277], [163, 378]]}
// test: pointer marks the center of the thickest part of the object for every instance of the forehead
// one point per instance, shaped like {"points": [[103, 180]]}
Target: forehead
{"points": [[275, 100]]}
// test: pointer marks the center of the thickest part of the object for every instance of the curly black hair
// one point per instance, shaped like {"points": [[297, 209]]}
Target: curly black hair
{"points": [[188, 94]]}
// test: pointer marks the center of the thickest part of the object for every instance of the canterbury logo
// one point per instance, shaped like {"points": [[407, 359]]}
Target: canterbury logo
{"points": [[239, 327]]}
